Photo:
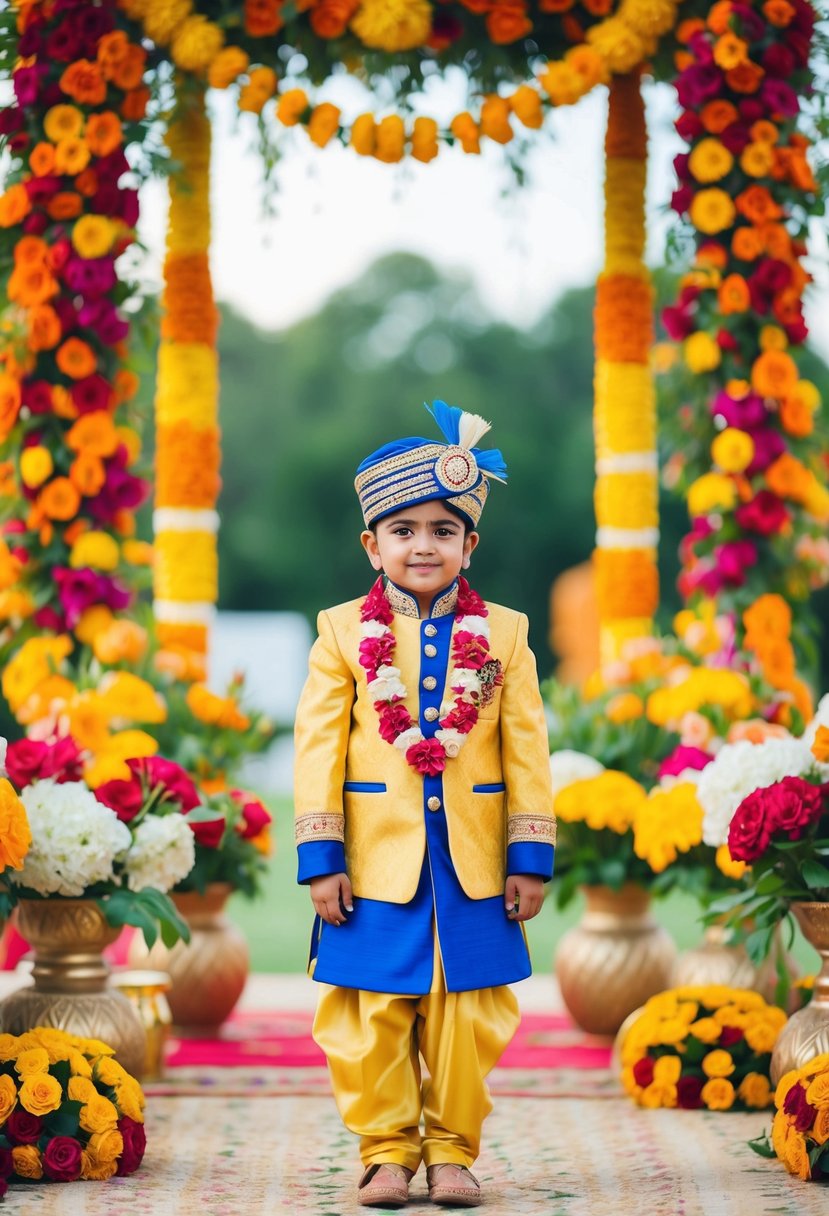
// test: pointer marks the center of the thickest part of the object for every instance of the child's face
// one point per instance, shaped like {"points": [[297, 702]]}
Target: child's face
{"points": [[421, 548]]}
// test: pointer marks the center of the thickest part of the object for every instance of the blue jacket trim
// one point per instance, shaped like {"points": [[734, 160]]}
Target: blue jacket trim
{"points": [[364, 787], [525, 857], [497, 787], [318, 858]]}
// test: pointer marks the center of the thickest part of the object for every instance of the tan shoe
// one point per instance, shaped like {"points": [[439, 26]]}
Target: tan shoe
{"points": [[384, 1185], [453, 1185]]}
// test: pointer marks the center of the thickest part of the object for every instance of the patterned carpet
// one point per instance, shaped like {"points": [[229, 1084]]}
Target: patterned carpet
{"points": [[573, 1157]]}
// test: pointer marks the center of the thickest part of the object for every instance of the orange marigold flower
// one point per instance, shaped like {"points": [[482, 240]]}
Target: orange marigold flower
{"points": [[323, 123], [128, 73], [330, 18], [424, 139], [733, 295], [796, 418], [14, 205], [103, 133], [774, 374], [63, 122], [65, 205], [42, 159], [757, 205], [134, 106], [779, 13], [599, 8], [820, 747], [59, 499], [83, 81], [291, 106], [125, 385], [747, 244], [730, 51], [526, 106], [86, 183], [87, 474], [507, 22], [30, 285], [494, 121], [112, 51], [719, 16], [788, 478], [764, 132], [9, 403], [716, 115], [263, 17], [94, 434], [31, 251], [768, 618], [76, 359], [756, 160], [363, 135], [44, 327], [745, 78], [390, 139], [465, 129], [71, 156]]}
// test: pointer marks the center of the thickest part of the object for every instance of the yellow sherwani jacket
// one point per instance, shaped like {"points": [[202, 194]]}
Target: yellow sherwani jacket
{"points": [[383, 833]]}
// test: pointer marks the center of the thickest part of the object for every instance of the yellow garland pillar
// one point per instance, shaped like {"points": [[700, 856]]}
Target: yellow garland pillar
{"points": [[626, 494], [187, 481]]}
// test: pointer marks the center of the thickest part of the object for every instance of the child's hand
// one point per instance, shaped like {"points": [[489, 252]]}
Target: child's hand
{"points": [[332, 897], [525, 890]]}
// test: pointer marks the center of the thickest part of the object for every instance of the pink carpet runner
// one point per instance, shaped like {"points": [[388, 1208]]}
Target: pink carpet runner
{"points": [[543, 1041]]}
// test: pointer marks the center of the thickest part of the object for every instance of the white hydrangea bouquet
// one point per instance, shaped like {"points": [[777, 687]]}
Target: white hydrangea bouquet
{"points": [[124, 847]]}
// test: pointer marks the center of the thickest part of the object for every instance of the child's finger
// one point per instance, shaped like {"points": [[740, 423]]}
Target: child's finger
{"points": [[510, 894], [346, 897]]}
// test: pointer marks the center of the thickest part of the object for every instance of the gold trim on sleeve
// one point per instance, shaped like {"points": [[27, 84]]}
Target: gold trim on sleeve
{"points": [[531, 829], [322, 825]]}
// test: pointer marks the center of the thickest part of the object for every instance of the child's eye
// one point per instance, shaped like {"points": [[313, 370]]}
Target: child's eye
{"points": [[402, 531], [444, 532]]}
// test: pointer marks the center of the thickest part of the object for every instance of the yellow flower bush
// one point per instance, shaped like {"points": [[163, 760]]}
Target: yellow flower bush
{"points": [[610, 800], [689, 1048], [668, 823]]}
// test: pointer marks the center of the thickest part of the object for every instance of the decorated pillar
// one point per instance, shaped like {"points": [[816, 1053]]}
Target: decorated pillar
{"points": [[626, 494], [187, 458]]}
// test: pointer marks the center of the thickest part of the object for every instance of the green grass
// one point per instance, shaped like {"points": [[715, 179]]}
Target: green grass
{"points": [[278, 925]]}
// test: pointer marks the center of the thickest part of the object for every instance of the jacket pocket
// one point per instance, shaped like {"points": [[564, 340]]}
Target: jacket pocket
{"points": [[364, 787], [496, 787]]}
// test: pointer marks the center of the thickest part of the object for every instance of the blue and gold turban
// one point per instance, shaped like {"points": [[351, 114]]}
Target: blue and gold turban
{"points": [[413, 470]]}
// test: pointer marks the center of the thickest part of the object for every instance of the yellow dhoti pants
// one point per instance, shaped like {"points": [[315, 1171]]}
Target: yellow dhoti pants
{"points": [[374, 1042]]}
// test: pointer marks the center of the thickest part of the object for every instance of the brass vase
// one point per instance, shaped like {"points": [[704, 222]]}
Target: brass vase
{"points": [[617, 957], [717, 961], [71, 989], [806, 1034], [207, 975]]}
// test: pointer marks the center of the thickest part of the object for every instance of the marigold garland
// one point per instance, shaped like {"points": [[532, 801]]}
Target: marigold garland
{"points": [[625, 497]]}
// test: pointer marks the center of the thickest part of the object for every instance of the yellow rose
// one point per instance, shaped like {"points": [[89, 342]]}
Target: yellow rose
{"points": [[110, 1072], [56, 1043], [733, 450], [820, 1127], [657, 1095], [96, 549], [818, 1091], [706, 1030], [667, 1070], [81, 1089], [129, 1098], [755, 1090], [701, 352], [99, 1114], [40, 1094], [672, 1030], [9, 1047], [36, 466], [78, 1064], [718, 1063], [35, 1060], [718, 1094], [796, 1155], [762, 1036], [8, 1097], [711, 492], [107, 1145], [93, 1170], [27, 1161]]}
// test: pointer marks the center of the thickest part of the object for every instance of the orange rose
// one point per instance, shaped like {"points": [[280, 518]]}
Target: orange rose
{"points": [[64, 206], [94, 434], [134, 106], [9, 403], [757, 205], [323, 123], [745, 78], [746, 244], [27, 1161], [59, 500], [262, 18], [31, 285], [719, 17], [87, 474], [733, 295], [796, 418], [779, 12], [42, 159], [526, 106], [495, 113], [788, 478], [715, 116], [83, 80], [44, 327], [330, 18], [774, 374], [465, 129], [76, 359], [507, 21], [129, 72]]}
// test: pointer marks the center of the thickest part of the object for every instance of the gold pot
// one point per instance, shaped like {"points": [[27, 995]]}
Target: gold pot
{"points": [[617, 957], [806, 1034], [717, 961], [147, 993], [71, 989], [207, 976]]}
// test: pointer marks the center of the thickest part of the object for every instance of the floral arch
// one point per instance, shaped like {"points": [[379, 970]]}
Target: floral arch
{"points": [[98, 85]]}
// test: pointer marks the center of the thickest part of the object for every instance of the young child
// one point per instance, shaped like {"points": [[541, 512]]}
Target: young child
{"points": [[424, 820]]}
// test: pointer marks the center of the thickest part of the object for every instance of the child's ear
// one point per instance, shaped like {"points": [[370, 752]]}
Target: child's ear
{"points": [[470, 542], [369, 542]]}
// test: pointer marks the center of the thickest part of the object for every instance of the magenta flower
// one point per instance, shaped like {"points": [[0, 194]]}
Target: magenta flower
{"points": [[768, 445], [764, 514], [681, 758], [427, 757]]}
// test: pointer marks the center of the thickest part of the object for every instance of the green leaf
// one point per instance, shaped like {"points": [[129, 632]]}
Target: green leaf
{"points": [[65, 1121], [815, 875], [762, 1146]]}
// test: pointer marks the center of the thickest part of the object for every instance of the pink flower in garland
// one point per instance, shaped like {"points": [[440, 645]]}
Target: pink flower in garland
{"points": [[394, 720], [469, 650], [764, 514], [377, 652], [462, 717], [427, 757]]}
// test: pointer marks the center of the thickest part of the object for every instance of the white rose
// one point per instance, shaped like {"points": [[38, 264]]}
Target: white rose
{"points": [[568, 766], [451, 741], [162, 854], [373, 629], [474, 624], [387, 685], [408, 738], [466, 680]]}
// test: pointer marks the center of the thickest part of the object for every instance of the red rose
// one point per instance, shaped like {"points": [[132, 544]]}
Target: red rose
{"points": [[255, 816], [462, 717], [377, 652], [6, 1163], [643, 1071], [135, 1141], [688, 1090], [23, 761], [178, 787], [208, 832], [752, 826], [63, 761], [394, 719], [729, 1035], [126, 798], [470, 650], [801, 1112], [796, 804], [427, 756], [22, 1128], [62, 1159]]}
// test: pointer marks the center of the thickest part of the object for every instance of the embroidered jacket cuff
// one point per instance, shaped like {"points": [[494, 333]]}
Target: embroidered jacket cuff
{"points": [[318, 858], [531, 858]]}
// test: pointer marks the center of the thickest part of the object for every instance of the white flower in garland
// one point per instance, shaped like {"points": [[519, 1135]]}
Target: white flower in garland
{"points": [[163, 853], [475, 624], [568, 766], [75, 839], [467, 681], [451, 740], [373, 629], [387, 685], [737, 770], [408, 738]]}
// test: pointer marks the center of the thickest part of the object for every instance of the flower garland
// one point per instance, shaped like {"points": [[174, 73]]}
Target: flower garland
{"points": [[625, 495], [187, 433], [747, 459], [470, 658], [706, 1047]]}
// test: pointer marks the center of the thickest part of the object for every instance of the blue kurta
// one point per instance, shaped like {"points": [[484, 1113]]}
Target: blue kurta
{"points": [[387, 947]]}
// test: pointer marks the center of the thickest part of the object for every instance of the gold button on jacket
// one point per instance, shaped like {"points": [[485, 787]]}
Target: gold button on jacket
{"points": [[338, 741]]}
